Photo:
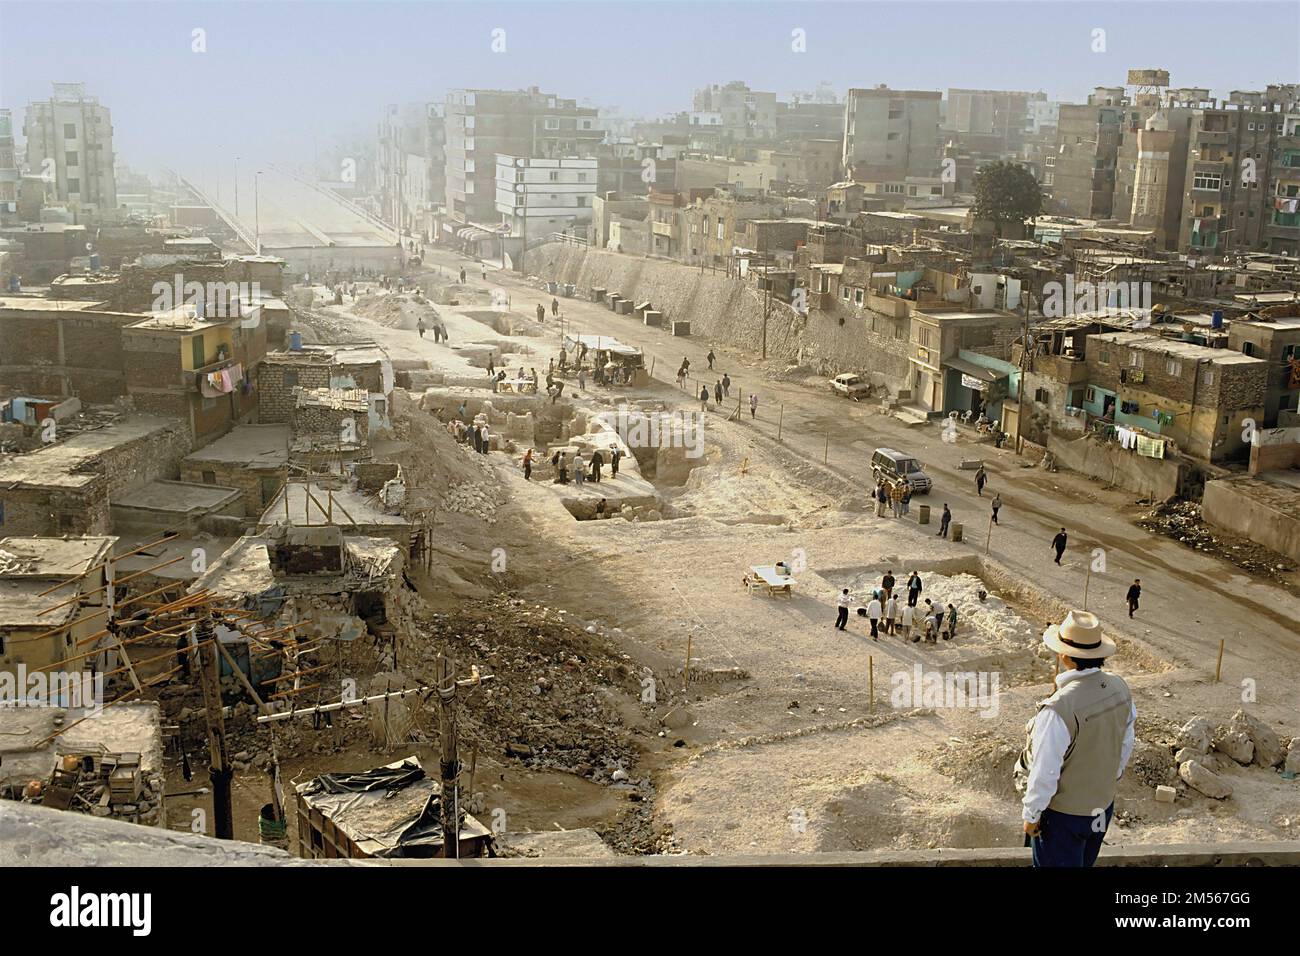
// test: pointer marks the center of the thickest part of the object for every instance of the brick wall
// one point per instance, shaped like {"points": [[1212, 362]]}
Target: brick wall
{"points": [[240, 477], [275, 398], [46, 511]]}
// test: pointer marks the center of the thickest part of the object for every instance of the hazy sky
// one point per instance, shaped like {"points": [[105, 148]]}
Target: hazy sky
{"points": [[276, 74]]}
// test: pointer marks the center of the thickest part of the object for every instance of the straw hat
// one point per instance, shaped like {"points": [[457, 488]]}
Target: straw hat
{"points": [[1079, 635]]}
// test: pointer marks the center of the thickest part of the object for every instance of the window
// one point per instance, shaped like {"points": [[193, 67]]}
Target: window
{"points": [[209, 477], [69, 130], [1173, 367], [1207, 181], [1135, 359], [1207, 377], [555, 176], [290, 377], [857, 296], [1090, 395], [582, 177], [1104, 358], [844, 293], [70, 159], [1247, 348], [1042, 396]]}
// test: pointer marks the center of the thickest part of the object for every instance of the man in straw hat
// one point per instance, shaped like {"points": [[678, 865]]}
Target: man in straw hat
{"points": [[1078, 745]]}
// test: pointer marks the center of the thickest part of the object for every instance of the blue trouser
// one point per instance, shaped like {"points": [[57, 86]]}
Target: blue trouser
{"points": [[1066, 839]]}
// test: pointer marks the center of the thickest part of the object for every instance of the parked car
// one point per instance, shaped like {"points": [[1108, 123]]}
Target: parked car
{"points": [[893, 466], [850, 385]]}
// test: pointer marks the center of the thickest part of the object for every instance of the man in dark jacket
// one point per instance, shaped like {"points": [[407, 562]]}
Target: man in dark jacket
{"points": [[1059, 544], [913, 589], [1134, 593], [944, 522]]}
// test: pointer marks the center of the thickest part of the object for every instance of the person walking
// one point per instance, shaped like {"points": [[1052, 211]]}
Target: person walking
{"points": [[419, 327], [981, 477], [997, 503], [842, 613], [704, 398], [1134, 594], [913, 589], [541, 312], [717, 393], [555, 307], [726, 385], [1077, 748], [681, 378], [709, 358], [597, 462], [753, 405], [579, 470], [891, 611], [462, 275], [944, 521], [614, 456], [874, 612], [1059, 544], [528, 465], [887, 582]]}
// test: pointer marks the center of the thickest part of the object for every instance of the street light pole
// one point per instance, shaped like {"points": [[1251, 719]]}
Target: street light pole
{"points": [[257, 220]]}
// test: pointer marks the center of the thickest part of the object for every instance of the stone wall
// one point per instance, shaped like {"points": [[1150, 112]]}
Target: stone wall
{"points": [[275, 398], [1263, 513], [1158, 477], [727, 310], [63, 354]]}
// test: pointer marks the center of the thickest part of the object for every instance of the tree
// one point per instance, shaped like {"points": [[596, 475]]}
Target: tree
{"points": [[1006, 193]]}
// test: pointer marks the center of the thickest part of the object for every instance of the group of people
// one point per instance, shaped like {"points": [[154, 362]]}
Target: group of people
{"points": [[475, 434], [439, 330], [895, 495], [892, 612], [583, 470]]}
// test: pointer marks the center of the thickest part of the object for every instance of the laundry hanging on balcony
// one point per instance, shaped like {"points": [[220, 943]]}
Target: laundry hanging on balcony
{"points": [[222, 382]]}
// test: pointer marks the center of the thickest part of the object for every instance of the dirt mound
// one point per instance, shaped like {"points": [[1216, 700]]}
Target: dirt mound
{"points": [[1182, 521], [984, 760]]}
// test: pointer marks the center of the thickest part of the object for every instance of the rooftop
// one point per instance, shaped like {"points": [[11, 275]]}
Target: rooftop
{"points": [[1155, 343], [122, 728], [47, 558], [63, 464], [256, 446]]}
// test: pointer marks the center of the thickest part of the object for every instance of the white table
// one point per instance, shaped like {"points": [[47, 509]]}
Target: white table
{"points": [[774, 582]]}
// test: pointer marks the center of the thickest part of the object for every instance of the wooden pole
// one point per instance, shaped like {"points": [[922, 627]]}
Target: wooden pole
{"points": [[218, 761], [1218, 666], [826, 452], [686, 674], [988, 540], [871, 681], [1086, 578], [449, 765], [779, 420]]}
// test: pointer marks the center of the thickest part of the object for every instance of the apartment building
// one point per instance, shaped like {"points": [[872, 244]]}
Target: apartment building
{"points": [[1242, 189], [744, 114], [411, 166], [891, 134], [1004, 114], [10, 177], [1087, 150], [481, 124], [537, 197], [70, 143]]}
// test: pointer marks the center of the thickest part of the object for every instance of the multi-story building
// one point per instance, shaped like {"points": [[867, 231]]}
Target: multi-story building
{"points": [[1087, 149], [537, 197], [1004, 114], [1198, 397], [709, 234], [411, 166], [891, 134], [800, 121], [9, 173], [746, 114], [480, 124], [70, 143], [1277, 342], [1242, 188]]}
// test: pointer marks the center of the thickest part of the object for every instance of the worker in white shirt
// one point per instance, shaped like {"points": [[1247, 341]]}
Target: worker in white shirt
{"points": [[891, 611], [874, 612], [1078, 745], [842, 615], [908, 611]]}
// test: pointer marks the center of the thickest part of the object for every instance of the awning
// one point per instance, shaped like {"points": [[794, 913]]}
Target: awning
{"points": [[975, 371]]}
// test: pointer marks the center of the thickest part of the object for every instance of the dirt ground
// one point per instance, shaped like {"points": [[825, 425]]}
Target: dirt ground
{"points": [[787, 739]]}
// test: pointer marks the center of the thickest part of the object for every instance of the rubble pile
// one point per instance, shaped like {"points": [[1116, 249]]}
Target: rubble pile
{"points": [[1182, 521], [1206, 748], [553, 699]]}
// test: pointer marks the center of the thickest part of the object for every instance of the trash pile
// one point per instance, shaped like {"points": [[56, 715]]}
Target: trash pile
{"points": [[1206, 748], [1182, 521]]}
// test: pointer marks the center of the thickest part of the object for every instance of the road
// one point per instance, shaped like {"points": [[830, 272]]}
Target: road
{"points": [[1189, 600]]}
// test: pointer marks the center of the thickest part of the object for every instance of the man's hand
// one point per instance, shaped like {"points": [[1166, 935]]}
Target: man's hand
{"points": [[1031, 829]]}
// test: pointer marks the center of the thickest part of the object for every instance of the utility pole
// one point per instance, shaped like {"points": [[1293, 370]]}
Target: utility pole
{"points": [[218, 761], [257, 221], [1020, 390], [449, 763]]}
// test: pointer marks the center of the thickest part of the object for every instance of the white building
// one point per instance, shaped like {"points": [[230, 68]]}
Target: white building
{"points": [[70, 143], [540, 196]]}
